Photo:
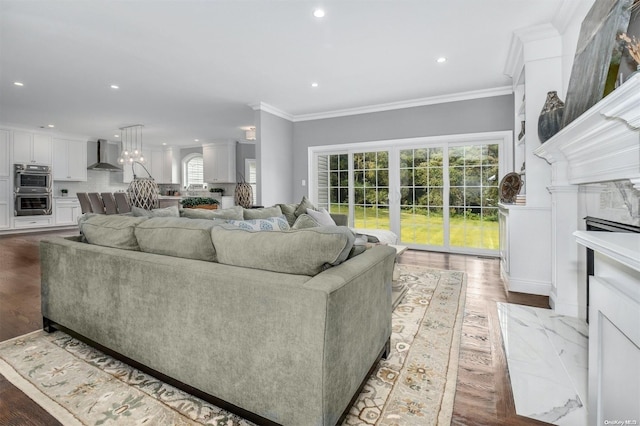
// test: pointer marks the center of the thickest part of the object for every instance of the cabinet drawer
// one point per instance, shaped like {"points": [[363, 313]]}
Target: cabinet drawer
{"points": [[32, 222]]}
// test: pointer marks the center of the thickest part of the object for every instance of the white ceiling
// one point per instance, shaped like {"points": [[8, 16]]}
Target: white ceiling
{"points": [[190, 69]]}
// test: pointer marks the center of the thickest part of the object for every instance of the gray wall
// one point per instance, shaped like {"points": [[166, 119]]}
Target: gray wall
{"points": [[243, 151], [472, 116], [274, 157]]}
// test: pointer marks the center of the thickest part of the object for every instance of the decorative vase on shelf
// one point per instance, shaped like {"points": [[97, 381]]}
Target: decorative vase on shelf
{"points": [[521, 135], [550, 120]]}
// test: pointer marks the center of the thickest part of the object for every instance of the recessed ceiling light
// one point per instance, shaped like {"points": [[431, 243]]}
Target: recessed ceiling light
{"points": [[50, 125], [196, 140], [164, 143], [318, 13], [441, 60], [17, 83], [116, 136], [314, 84], [115, 86]]}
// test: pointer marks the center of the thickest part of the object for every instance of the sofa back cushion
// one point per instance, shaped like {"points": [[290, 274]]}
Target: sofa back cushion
{"points": [[171, 211], [234, 213], [112, 231], [268, 224], [301, 252], [262, 213], [178, 237]]}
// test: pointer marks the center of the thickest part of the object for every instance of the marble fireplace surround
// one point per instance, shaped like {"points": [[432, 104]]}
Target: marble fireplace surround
{"points": [[600, 146]]}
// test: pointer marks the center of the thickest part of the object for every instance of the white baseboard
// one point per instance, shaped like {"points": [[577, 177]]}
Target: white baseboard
{"points": [[528, 286], [567, 309]]}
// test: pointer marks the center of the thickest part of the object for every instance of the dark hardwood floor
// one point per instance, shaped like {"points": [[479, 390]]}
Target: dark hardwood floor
{"points": [[483, 391]]}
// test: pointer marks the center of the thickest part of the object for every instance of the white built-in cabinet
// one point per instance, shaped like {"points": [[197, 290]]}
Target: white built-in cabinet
{"points": [[219, 162], [6, 196], [525, 230], [31, 148], [69, 160], [67, 211]]}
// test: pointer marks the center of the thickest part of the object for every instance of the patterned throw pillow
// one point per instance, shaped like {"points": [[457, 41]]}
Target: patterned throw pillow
{"points": [[278, 223]]}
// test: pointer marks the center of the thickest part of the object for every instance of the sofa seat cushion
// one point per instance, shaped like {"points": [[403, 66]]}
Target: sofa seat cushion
{"points": [[262, 213], [112, 231], [178, 237], [234, 213], [268, 224], [301, 252]]}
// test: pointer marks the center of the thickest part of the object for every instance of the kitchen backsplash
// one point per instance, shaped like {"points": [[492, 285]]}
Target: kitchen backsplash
{"points": [[96, 182]]}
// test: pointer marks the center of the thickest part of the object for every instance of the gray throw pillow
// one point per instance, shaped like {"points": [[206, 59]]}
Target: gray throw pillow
{"points": [[304, 221], [112, 231], [304, 205], [289, 211]]}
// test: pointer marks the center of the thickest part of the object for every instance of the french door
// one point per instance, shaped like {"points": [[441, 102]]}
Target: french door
{"points": [[434, 194]]}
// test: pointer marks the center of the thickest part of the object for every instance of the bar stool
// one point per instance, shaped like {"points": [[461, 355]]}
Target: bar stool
{"points": [[96, 203], [85, 204], [109, 203], [122, 202]]}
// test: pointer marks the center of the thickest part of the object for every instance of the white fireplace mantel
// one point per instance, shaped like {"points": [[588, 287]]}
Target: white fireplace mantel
{"points": [[603, 144]]}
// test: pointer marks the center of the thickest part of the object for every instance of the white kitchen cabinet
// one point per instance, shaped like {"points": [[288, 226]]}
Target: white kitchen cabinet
{"points": [[27, 222], [31, 148], [69, 160], [219, 162], [67, 211], [5, 160], [6, 203]]}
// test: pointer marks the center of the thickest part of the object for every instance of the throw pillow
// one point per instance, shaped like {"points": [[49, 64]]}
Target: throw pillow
{"points": [[171, 211], [303, 206], [289, 210], [304, 221], [321, 216], [268, 224]]}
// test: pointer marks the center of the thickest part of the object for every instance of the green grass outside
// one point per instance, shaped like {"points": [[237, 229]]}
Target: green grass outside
{"points": [[422, 228]]}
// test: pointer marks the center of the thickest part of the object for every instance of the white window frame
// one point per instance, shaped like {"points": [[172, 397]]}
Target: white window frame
{"points": [[185, 161], [503, 138]]}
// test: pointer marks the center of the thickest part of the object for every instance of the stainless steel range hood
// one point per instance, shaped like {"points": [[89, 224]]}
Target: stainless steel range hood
{"points": [[103, 164]]}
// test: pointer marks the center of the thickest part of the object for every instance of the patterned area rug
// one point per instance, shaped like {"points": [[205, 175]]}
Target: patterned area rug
{"points": [[80, 385]]}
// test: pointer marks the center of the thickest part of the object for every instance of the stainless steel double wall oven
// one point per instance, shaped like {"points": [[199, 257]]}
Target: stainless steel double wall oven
{"points": [[32, 189]]}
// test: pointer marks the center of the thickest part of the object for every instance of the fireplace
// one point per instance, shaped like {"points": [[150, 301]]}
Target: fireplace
{"points": [[604, 225]]}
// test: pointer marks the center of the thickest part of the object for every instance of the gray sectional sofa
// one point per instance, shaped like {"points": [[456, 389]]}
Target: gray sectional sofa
{"points": [[281, 327]]}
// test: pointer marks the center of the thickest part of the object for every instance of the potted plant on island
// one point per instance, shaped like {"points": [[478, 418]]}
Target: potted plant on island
{"points": [[199, 203], [64, 192], [217, 190]]}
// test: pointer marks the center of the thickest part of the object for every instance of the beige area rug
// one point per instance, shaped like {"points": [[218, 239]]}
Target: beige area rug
{"points": [[415, 386]]}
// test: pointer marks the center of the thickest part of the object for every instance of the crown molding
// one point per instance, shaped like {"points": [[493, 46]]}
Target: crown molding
{"points": [[261, 106], [462, 96]]}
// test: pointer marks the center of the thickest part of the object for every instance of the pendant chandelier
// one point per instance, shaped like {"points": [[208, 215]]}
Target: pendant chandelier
{"points": [[131, 143]]}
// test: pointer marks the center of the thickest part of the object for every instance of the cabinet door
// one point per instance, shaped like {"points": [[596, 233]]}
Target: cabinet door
{"points": [[64, 215], [157, 165], [60, 159], [219, 162], [41, 149], [77, 160], [6, 203], [5, 162], [22, 146]]}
